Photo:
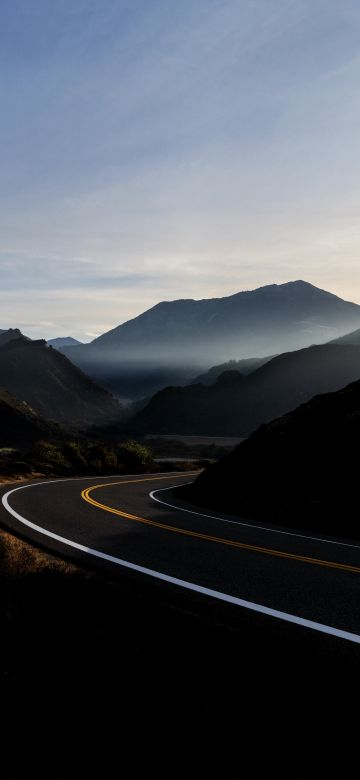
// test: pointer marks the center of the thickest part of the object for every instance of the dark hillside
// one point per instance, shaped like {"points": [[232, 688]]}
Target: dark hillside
{"points": [[52, 385], [237, 405], [244, 367], [20, 425], [300, 471]]}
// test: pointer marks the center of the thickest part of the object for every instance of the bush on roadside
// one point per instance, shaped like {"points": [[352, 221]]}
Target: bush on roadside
{"points": [[8, 458], [76, 458], [132, 456], [74, 454], [48, 457]]}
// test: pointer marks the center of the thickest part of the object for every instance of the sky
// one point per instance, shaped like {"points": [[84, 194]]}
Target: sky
{"points": [[162, 149]]}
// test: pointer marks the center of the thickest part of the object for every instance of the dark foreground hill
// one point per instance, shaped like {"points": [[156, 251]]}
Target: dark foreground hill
{"points": [[20, 425], [299, 471], [186, 337], [236, 405], [11, 335], [52, 385]]}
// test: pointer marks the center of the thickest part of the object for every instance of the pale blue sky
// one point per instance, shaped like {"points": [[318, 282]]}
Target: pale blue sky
{"points": [[186, 148]]}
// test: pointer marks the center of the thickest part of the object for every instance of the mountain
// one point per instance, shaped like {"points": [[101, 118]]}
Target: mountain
{"points": [[244, 367], [52, 385], [238, 321], [191, 336], [236, 405], [19, 425], [300, 471], [349, 338], [11, 335], [66, 341]]}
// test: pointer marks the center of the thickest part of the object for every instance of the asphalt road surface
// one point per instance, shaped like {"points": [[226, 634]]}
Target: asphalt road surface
{"points": [[122, 525]]}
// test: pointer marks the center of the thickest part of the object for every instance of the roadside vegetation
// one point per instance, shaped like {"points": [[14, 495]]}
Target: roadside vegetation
{"points": [[76, 458]]}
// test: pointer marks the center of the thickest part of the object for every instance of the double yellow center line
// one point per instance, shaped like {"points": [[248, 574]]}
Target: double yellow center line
{"points": [[86, 495]]}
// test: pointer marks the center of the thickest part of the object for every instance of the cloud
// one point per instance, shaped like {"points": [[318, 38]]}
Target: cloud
{"points": [[166, 150]]}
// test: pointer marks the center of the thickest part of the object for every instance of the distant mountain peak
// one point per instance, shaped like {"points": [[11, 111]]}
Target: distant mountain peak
{"points": [[64, 341], [198, 334], [298, 284]]}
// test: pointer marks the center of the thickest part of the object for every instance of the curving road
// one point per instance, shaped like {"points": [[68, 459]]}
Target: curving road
{"points": [[136, 524]]}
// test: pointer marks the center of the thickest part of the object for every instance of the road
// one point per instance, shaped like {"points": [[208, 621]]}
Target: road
{"points": [[136, 525]]}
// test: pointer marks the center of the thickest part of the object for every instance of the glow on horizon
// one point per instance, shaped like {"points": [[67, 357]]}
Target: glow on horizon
{"points": [[185, 150]]}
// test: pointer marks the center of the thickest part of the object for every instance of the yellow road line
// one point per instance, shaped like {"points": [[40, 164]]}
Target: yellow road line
{"points": [[205, 537]]}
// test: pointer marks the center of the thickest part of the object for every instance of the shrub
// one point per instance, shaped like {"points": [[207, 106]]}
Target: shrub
{"points": [[134, 456], [49, 455], [73, 452]]}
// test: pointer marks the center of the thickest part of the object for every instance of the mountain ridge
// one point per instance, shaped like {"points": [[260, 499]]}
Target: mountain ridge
{"points": [[49, 383], [348, 338], [190, 336], [243, 296], [242, 403], [64, 341]]}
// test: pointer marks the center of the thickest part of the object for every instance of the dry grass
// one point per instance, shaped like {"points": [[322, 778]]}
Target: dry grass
{"points": [[23, 478], [18, 559], [11, 480]]}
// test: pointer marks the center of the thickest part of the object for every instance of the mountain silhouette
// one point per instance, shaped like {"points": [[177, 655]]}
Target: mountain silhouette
{"points": [[246, 366], [51, 384], [63, 341], [237, 406]]}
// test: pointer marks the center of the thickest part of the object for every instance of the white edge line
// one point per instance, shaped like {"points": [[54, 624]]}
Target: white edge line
{"points": [[215, 594], [253, 526]]}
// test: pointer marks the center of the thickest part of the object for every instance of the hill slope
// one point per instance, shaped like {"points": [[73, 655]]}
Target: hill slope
{"points": [[349, 338], [20, 425], [246, 366], [299, 471], [193, 335], [52, 385], [11, 335], [236, 405]]}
